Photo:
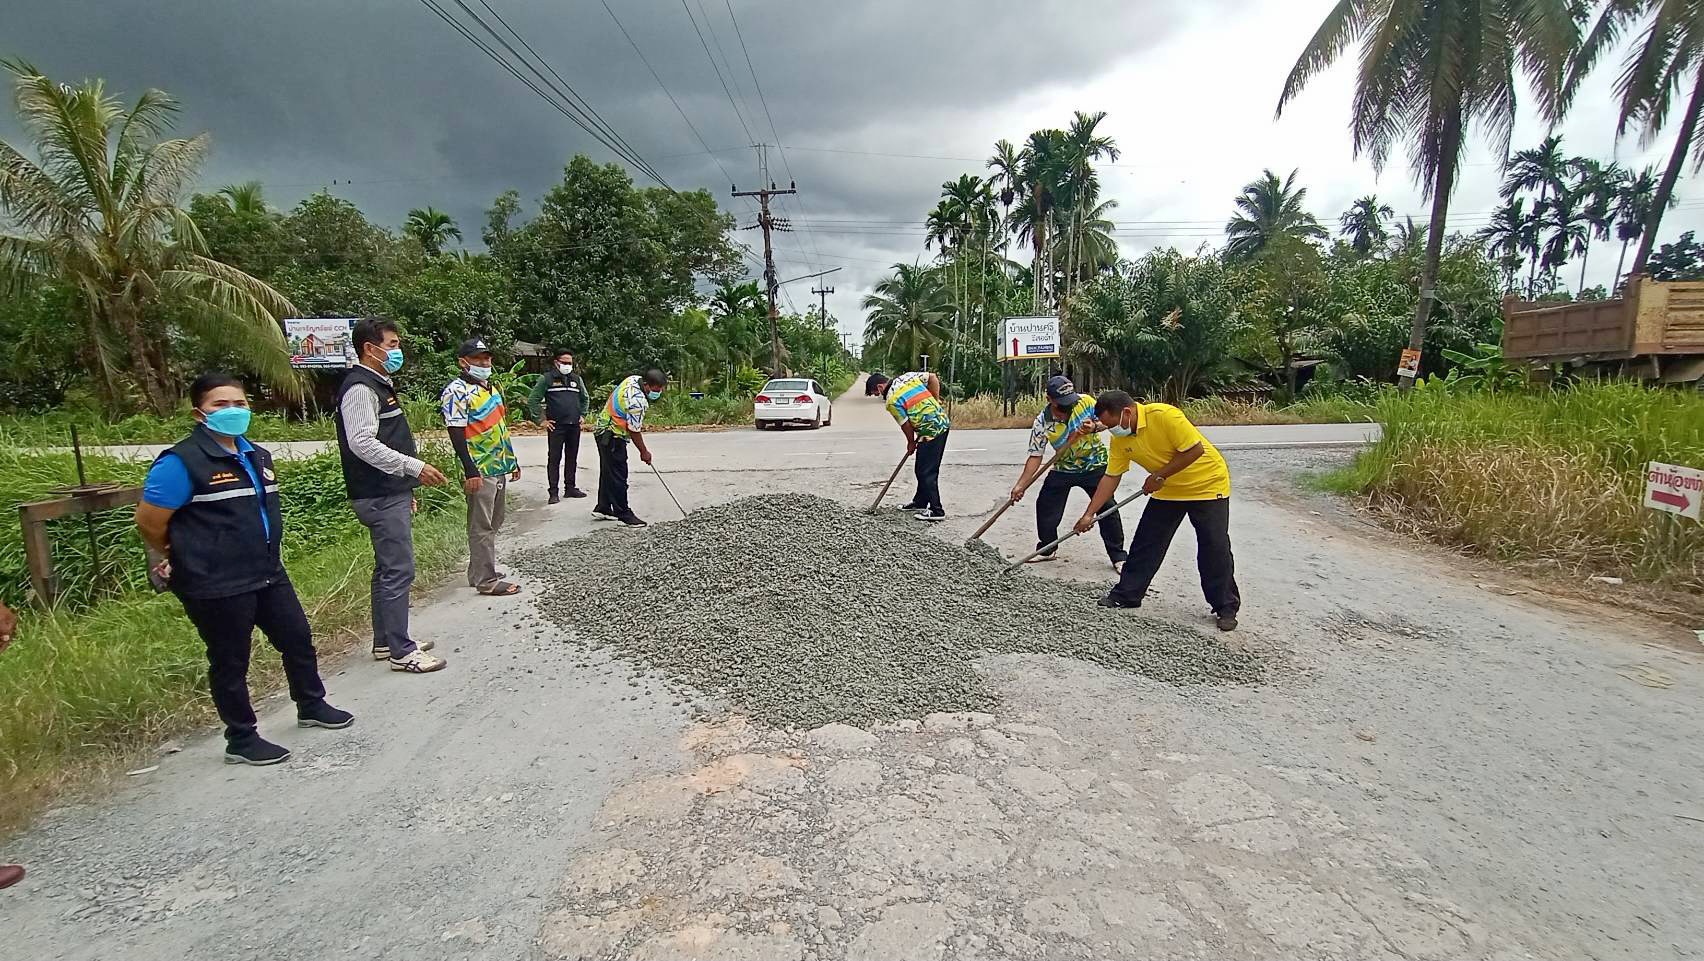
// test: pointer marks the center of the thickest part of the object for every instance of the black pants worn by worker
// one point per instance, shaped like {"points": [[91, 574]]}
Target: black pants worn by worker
{"points": [[612, 476], [226, 625], [1212, 521], [564, 457], [929, 454], [1056, 490]]}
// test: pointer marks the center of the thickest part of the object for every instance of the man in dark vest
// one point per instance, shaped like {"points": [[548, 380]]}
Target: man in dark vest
{"points": [[381, 471], [210, 508], [558, 401]]}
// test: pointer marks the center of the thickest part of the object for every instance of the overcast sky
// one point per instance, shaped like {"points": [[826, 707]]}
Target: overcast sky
{"points": [[874, 102]]}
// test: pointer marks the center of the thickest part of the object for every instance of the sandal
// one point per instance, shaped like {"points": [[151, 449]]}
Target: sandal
{"points": [[501, 589], [1044, 559]]}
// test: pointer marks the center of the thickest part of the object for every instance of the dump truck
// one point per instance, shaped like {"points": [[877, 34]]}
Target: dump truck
{"points": [[1653, 332]]}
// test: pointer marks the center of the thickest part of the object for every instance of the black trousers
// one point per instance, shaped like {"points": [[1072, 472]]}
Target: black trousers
{"points": [[226, 625], [612, 475], [929, 454], [1056, 489], [564, 439], [1212, 520]]}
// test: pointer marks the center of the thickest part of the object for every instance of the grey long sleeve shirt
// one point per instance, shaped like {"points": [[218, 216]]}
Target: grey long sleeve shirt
{"points": [[360, 412]]}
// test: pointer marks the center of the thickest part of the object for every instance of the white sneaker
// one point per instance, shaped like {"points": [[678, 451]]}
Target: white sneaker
{"points": [[418, 662], [383, 653]]}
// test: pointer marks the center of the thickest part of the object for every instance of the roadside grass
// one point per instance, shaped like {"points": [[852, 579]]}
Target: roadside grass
{"points": [[110, 672], [53, 429], [984, 412], [1554, 477]]}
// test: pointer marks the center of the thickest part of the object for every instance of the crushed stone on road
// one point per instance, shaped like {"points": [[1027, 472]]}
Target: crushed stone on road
{"points": [[801, 611]]}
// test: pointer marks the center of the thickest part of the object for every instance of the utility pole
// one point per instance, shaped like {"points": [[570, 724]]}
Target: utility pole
{"points": [[822, 312], [769, 224]]}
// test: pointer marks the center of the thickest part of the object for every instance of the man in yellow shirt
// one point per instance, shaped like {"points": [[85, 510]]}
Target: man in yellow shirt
{"points": [[1187, 477]]}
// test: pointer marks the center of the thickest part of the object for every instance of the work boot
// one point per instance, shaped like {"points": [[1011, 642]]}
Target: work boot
{"points": [[10, 874], [576, 492], [255, 750], [321, 714], [554, 499]]}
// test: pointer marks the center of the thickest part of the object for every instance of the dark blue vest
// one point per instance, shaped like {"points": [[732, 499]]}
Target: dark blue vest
{"points": [[219, 546]]}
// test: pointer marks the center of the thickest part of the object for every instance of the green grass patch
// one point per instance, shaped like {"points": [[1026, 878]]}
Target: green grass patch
{"points": [[1553, 476]]}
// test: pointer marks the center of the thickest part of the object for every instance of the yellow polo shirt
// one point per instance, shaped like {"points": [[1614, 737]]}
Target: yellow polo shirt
{"points": [[1162, 432]]}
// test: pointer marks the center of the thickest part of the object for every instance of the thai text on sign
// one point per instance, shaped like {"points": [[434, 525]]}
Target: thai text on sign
{"points": [[1675, 489]]}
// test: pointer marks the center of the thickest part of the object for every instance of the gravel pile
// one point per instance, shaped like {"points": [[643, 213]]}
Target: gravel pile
{"points": [[801, 611]]}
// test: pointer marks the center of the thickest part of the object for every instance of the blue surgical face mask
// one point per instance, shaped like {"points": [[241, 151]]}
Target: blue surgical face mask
{"points": [[653, 394], [479, 373], [230, 421], [1119, 430], [393, 360]]}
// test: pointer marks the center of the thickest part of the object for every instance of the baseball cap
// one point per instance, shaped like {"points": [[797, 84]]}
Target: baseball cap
{"points": [[473, 347], [1061, 391]]}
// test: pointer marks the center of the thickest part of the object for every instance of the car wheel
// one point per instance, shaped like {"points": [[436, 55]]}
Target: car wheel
{"points": [[830, 421], [816, 419], [757, 425]]}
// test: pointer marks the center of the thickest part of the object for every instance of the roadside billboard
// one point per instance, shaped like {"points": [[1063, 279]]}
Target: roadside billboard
{"points": [[1029, 338], [319, 343]]}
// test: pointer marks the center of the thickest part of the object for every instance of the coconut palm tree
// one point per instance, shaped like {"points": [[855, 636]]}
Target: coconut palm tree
{"points": [[1363, 224], [1428, 69], [431, 227], [1668, 53], [100, 214], [1266, 209], [907, 315], [247, 198]]}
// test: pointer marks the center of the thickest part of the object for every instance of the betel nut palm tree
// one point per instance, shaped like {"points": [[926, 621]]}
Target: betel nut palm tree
{"points": [[98, 212]]}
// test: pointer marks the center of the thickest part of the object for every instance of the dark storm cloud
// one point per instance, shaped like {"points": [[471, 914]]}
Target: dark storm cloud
{"points": [[383, 95]]}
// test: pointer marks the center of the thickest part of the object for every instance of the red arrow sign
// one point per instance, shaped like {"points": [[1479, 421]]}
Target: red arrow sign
{"points": [[1678, 501], [1014, 347]]}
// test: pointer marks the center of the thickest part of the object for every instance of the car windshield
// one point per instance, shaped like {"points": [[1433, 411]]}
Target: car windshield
{"points": [[798, 385]]}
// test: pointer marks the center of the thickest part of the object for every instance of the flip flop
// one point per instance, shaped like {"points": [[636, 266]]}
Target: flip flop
{"points": [[1043, 559], [502, 589], [1118, 567]]}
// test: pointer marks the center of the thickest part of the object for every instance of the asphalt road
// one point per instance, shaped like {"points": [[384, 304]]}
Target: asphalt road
{"points": [[1439, 766]]}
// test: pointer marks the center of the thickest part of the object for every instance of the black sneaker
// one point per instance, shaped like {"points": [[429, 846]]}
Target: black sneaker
{"points": [[554, 499], [257, 751], [575, 492], [323, 715], [1227, 622], [632, 520], [1113, 600], [913, 506], [598, 514], [934, 516]]}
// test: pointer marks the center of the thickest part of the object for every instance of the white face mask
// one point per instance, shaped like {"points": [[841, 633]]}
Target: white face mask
{"points": [[479, 373], [1119, 430], [565, 368]]}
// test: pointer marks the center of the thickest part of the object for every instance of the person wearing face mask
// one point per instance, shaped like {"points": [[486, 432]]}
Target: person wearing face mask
{"points": [[381, 471], [1187, 477], [558, 401], [473, 413], [210, 508], [621, 420], [1067, 426]]}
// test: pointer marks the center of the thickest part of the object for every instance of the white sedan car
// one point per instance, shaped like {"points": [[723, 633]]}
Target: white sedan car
{"points": [[795, 400]]}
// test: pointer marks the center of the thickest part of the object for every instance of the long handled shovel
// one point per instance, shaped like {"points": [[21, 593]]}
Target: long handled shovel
{"points": [[666, 489], [897, 468], [1008, 502], [1073, 532]]}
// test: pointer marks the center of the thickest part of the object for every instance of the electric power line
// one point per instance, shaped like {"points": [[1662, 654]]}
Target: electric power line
{"points": [[713, 66]]}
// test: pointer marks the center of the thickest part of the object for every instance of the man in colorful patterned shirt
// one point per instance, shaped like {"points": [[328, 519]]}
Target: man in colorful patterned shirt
{"points": [[1067, 424], [479, 431], [622, 419], [913, 401]]}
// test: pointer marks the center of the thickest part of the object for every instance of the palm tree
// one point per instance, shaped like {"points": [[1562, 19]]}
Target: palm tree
{"points": [[1007, 169], [245, 198], [1632, 210], [1543, 168], [908, 314], [1508, 239], [1269, 208], [431, 227], [1363, 224], [1043, 166], [100, 214], [1567, 233], [1669, 51], [1596, 185], [1080, 188], [1429, 68], [1090, 249], [738, 311]]}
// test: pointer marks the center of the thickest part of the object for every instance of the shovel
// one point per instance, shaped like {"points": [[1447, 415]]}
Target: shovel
{"points": [[897, 468], [1073, 532], [1007, 502]]}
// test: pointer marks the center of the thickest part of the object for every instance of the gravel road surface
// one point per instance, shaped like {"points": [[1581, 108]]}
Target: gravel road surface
{"points": [[1431, 767]]}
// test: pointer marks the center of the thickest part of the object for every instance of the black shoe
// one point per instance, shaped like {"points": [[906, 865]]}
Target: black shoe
{"points": [[933, 516], [554, 499], [576, 492], [599, 514], [632, 520], [323, 715], [1227, 622], [1113, 600], [257, 751], [913, 506]]}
